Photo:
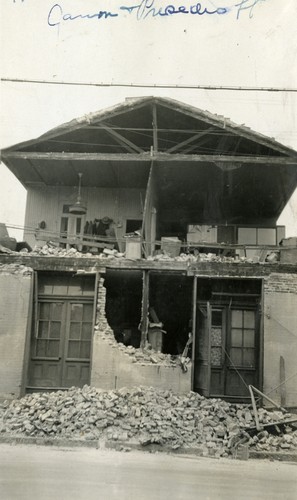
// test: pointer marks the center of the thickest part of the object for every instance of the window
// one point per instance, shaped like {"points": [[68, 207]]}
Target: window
{"points": [[216, 335], [71, 225], [242, 346]]}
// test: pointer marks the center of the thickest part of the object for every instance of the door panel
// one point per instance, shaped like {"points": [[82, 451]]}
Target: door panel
{"points": [[227, 351], [243, 353], [45, 367], [61, 345], [78, 344]]}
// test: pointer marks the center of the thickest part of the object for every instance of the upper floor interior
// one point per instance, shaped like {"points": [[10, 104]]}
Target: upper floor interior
{"points": [[158, 167]]}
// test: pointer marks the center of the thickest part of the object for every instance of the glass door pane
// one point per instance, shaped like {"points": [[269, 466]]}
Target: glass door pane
{"points": [[47, 342], [80, 331]]}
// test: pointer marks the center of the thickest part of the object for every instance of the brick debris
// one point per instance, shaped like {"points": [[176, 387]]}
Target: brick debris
{"points": [[144, 416]]}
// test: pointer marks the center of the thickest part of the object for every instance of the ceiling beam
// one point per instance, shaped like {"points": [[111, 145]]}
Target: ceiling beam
{"points": [[189, 140], [139, 157], [128, 145]]}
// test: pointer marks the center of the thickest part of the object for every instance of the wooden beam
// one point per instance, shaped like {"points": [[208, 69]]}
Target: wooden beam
{"points": [[282, 376], [144, 308], [130, 146], [194, 320], [137, 157], [77, 242], [155, 128], [202, 141], [189, 140]]}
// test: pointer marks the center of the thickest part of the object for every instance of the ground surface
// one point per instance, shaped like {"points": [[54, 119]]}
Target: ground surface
{"points": [[32, 472]]}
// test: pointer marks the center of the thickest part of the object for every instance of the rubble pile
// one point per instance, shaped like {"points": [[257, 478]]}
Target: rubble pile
{"points": [[143, 356], [210, 257], [139, 415], [200, 257], [52, 250], [148, 355], [277, 438]]}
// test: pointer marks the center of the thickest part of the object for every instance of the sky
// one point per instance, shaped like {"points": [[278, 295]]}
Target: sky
{"points": [[123, 43]]}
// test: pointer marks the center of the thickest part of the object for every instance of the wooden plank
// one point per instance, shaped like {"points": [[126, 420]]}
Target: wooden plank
{"points": [[188, 141], [160, 157], [282, 376], [258, 426], [130, 146], [30, 326], [279, 423], [147, 214], [194, 319], [208, 322], [194, 146], [155, 128], [268, 399], [145, 309], [75, 241]]}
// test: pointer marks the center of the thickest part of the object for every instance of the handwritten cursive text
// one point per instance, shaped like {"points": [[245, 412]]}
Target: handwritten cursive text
{"points": [[154, 8]]}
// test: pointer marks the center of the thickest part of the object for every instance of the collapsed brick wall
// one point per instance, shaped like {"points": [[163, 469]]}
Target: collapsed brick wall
{"points": [[15, 315], [115, 365], [280, 337]]}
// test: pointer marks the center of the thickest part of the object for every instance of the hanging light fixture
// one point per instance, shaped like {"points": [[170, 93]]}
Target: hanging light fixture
{"points": [[78, 208]]}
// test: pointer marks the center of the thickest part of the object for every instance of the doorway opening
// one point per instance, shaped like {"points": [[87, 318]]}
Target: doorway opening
{"points": [[228, 337], [123, 305], [170, 302]]}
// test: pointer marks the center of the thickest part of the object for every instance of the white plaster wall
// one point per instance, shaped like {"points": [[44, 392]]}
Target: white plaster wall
{"points": [[280, 339], [15, 299]]}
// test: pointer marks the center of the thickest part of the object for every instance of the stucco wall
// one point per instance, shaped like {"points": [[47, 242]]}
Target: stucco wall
{"points": [[280, 337], [15, 286]]}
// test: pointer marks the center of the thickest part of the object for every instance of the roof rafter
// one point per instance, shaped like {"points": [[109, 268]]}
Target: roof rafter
{"points": [[223, 124], [189, 140], [202, 141], [130, 146]]}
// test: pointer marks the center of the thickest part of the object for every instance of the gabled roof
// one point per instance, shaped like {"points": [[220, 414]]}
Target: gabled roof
{"points": [[115, 147], [176, 122]]}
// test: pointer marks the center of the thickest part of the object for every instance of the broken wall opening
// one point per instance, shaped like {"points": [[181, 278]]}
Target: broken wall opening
{"points": [[170, 298], [123, 305]]}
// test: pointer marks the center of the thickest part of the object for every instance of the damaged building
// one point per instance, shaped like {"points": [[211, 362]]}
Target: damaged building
{"points": [[156, 257]]}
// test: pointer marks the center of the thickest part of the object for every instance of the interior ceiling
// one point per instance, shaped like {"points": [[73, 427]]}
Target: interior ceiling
{"points": [[208, 190], [173, 128]]}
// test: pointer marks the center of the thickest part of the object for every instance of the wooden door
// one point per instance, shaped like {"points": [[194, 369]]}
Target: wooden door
{"points": [[226, 351], [77, 344], [61, 344], [242, 365]]}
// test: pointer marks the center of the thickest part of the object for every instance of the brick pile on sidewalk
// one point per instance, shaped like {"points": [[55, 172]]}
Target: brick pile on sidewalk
{"points": [[142, 416]]}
